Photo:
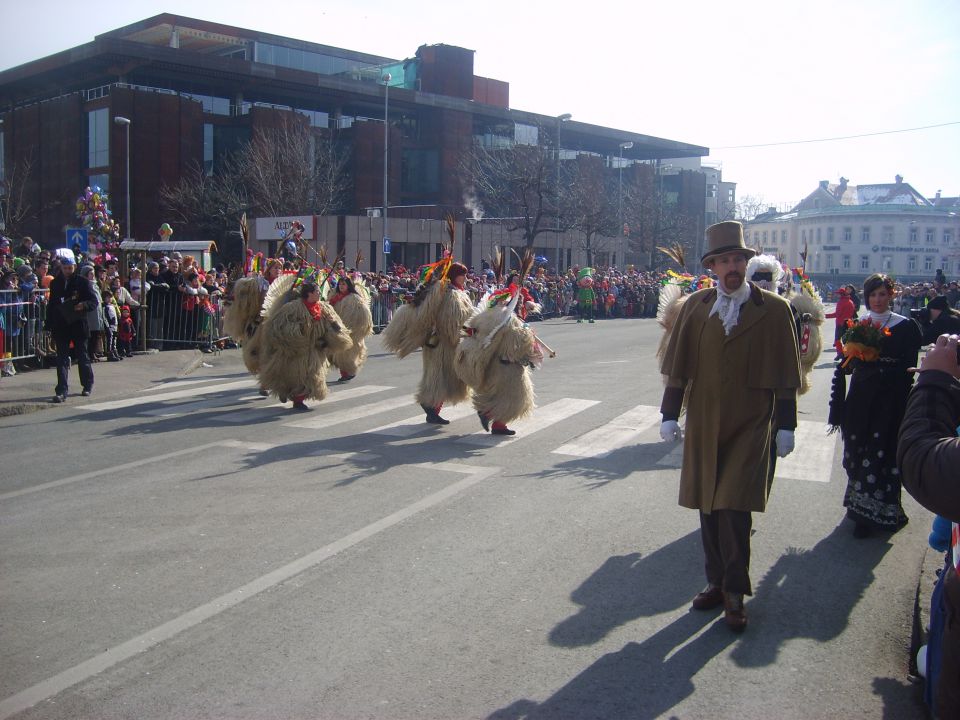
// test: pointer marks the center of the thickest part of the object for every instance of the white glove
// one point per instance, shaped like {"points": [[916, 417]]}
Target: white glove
{"points": [[784, 442], [670, 431]]}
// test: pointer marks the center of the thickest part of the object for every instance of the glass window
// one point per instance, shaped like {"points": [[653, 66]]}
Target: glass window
{"points": [[764, 236], [912, 263], [887, 234], [928, 263], [803, 236], [98, 138], [947, 234], [887, 262], [864, 262], [847, 234], [420, 172], [930, 235], [525, 134], [829, 261], [829, 234], [846, 262], [944, 264], [818, 235], [913, 235], [101, 181], [783, 236], [865, 234], [208, 148]]}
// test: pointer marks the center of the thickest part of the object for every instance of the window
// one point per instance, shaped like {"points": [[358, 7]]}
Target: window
{"points": [[730, 195], [944, 264], [865, 234], [864, 262], [912, 263], [847, 235], [208, 149], [947, 234], [764, 237], [711, 190], [830, 235], [829, 261], [928, 263], [887, 262], [525, 134], [818, 236], [98, 138], [101, 181], [846, 262], [783, 237], [887, 235], [803, 236], [930, 235], [420, 172], [913, 235]]}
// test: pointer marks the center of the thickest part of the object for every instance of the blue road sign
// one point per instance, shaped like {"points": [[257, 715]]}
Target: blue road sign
{"points": [[386, 246], [77, 236]]}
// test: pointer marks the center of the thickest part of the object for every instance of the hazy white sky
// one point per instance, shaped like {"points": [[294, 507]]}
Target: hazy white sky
{"points": [[716, 74]]}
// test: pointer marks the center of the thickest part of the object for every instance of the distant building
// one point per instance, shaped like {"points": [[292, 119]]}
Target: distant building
{"points": [[849, 231], [194, 90]]}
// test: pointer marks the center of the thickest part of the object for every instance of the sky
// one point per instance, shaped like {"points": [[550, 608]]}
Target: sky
{"points": [[716, 74]]}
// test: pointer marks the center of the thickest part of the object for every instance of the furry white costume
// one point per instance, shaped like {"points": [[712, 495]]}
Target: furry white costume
{"points": [[243, 318], [354, 309]]}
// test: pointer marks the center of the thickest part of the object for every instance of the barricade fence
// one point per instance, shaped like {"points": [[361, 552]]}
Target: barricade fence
{"points": [[179, 319], [22, 317]]}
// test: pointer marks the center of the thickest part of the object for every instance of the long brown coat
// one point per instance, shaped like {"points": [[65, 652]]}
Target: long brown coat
{"points": [[732, 384]]}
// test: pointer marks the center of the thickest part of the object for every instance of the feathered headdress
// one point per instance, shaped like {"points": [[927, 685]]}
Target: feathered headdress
{"points": [[676, 253]]}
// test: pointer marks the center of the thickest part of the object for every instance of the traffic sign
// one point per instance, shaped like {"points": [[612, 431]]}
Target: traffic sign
{"points": [[77, 236], [386, 246]]}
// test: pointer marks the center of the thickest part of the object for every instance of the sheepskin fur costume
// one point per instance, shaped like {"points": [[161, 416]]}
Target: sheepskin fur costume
{"points": [[354, 310], [670, 301], [293, 359], [811, 342], [448, 309], [243, 318], [496, 363]]}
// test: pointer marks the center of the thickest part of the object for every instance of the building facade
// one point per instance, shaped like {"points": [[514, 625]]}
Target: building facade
{"points": [[193, 91], [849, 231]]}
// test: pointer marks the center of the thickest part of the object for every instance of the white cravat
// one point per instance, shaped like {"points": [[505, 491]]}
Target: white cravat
{"points": [[727, 306]]}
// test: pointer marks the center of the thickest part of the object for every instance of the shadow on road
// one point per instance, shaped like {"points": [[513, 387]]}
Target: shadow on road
{"points": [[619, 464]]}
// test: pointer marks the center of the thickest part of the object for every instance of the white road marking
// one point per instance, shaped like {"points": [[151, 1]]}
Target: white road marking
{"points": [[540, 419], [611, 362], [812, 458], [112, 471], [112, 656], [163, 397], [416, 423], [188, 381], [615, 434], [255, 414], [354, 413]]}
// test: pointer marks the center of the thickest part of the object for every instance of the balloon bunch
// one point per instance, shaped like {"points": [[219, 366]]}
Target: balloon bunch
{"points": [[94, 214], [165, 232]]}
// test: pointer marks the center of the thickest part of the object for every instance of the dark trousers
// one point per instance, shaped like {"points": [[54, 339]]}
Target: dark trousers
{"points": [[947, 695], [726, 546], [62, 340]]}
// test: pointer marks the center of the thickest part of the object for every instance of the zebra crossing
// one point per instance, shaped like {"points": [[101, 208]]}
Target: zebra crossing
{"points": [[232, 401]]}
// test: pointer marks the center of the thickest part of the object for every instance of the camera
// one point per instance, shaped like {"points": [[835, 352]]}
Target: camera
{"points": [[921, 315]]}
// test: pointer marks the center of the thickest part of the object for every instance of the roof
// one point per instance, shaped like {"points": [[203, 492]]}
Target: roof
{"points": [[156, 246]]}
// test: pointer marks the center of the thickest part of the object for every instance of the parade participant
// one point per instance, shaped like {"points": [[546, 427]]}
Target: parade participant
{"points": [[299, 330], [586, 296], [432, 320], [71, 298], [495, 357], [351, 300], [526, 303], [929, 454], [869, 415], [844, 311], [734, 352], [242, 319]]}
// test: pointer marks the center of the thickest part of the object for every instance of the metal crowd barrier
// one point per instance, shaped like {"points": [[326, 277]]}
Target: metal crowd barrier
{"points": [[176, 320], [22, 316]]}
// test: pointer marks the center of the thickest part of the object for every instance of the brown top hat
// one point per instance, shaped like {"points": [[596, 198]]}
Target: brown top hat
{"points": [[723, 238]]}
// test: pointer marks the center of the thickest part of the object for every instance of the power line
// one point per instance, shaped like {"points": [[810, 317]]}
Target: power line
{"points": [[830, 139]]}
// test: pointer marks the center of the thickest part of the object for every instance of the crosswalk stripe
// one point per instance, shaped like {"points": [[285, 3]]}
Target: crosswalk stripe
{"points": [[813, 457], [615, 434], [414, 424], [163, 397], [254, 414], [541, 418], [354, 413], [186, 382]]}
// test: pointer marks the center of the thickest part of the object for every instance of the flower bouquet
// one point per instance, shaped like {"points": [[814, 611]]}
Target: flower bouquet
{"points": [[861, 340]]}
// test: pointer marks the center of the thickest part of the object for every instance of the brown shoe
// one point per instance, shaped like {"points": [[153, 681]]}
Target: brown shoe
{"points": [[733, 613], [707, 599]]}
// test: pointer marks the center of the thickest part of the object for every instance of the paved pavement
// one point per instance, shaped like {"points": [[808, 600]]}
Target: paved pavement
{"points": [[193, 550]]}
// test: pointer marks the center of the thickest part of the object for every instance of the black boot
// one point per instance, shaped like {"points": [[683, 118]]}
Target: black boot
{"points": [[432, 416], [484, 421]]}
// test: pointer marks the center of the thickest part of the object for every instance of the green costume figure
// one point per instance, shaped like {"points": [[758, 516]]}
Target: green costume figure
{"points": [[585, 294]]}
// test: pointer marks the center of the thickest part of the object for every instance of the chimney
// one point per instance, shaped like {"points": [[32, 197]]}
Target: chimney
{"points": [[772, 210], [824, 184], [938, 196], [899, 179]]}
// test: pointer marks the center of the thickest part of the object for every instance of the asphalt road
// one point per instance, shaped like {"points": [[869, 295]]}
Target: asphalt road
{"points": [[196, 551]]}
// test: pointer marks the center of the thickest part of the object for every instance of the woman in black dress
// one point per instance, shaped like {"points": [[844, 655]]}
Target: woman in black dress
{"points": [[869, 415]]}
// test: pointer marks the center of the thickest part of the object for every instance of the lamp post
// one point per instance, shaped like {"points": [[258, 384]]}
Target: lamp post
{"points": [[126, 123], [623, 146], [560, 120], [386, 159]]}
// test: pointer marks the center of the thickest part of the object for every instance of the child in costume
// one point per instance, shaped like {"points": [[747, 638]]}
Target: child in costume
{"points": [[126, 332], [586, 295], [351, 300], [299, 331]]}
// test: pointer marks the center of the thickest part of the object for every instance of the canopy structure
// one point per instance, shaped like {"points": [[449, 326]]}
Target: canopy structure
{"points": [[169, 246]]}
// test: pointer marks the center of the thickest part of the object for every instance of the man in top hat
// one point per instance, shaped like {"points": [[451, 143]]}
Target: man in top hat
{"points": [[733, 353]]}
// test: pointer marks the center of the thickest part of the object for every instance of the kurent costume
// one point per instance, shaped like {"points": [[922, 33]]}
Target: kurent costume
{"points": [[297, 336], [495, 357], [869, 418], [353, 307], [432, 321], [734, 355], [243, 318]]}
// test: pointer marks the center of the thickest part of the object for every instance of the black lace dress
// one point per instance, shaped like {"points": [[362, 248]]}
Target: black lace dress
{"points": [[869, 417]]}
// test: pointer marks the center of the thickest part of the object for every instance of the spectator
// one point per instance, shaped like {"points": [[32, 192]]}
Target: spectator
{"points": [[126, 334], [938, 318], [95, 318], [844, 311], [71, 297]]}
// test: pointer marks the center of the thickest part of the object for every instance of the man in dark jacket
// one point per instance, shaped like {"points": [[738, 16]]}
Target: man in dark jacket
{"points": [[71, 296], [928, 455]]}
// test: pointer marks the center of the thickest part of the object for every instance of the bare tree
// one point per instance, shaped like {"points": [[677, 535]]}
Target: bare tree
{"points": [[15, 208], [210, 203], [591, 205], [749, 206], [517, 184]]}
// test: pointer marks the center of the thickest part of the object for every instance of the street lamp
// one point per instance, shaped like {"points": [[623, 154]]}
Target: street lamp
{"points": [[386, 158], [623, 146], [560, 120], [126, 123]]}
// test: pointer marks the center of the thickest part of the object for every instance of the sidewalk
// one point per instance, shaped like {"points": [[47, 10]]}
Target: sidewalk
{"points": [[31, 389]]}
